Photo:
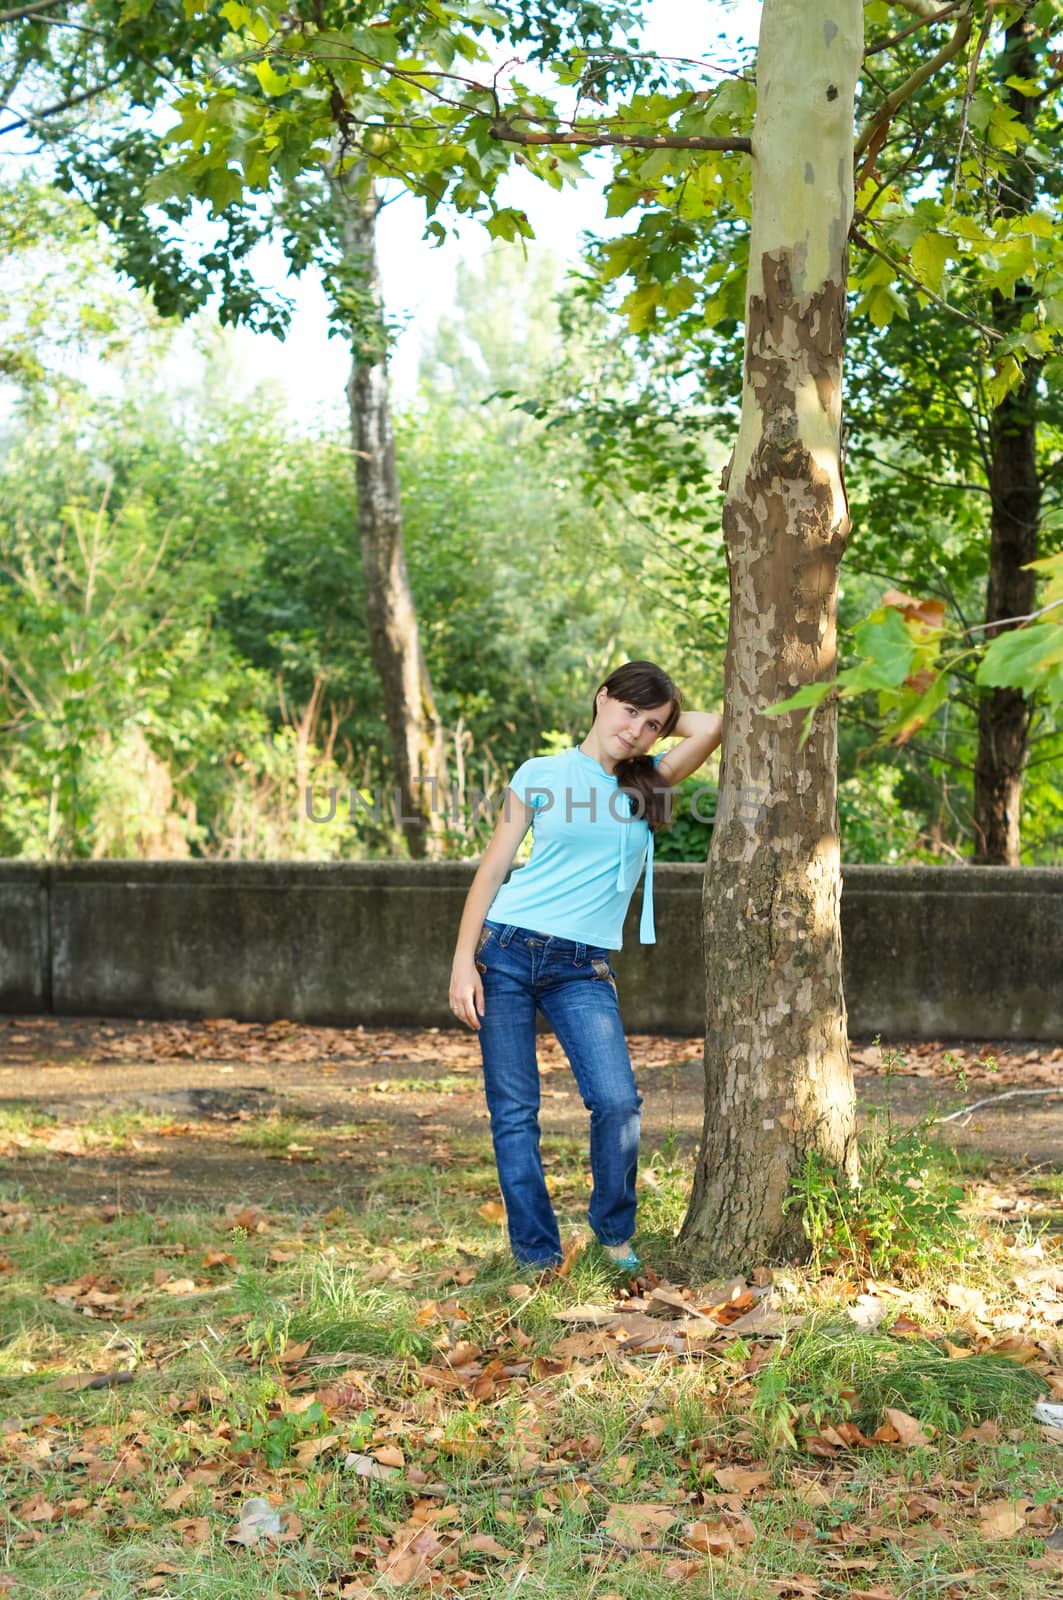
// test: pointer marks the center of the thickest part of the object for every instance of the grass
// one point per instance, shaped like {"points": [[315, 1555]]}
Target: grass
{"points": [[379, 1375]]}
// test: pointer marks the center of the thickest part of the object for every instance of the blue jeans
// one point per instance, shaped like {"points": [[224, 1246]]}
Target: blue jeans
{"points": [[573, 985]]}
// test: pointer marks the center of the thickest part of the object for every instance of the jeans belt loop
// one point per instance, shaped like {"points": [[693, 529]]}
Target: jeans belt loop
{"points": [[581, 955], [507, 933]]}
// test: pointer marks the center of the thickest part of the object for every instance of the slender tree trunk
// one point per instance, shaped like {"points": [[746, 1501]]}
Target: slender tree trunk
{"points": [[409, 703], [778, 1079], [1015, 499]]}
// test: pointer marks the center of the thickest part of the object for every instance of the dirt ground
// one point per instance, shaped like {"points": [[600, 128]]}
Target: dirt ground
{"points": [[150, 1113]]}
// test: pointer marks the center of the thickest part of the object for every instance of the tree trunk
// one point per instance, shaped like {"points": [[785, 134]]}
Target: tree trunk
{"points": [[394, 638], [1015, 500], [778, 1079]]}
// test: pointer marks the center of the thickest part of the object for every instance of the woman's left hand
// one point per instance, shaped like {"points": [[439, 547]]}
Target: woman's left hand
{"points": [[467, 994]]}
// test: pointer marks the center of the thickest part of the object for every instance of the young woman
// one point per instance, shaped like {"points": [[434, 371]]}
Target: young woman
{"points": [[542, 940]]}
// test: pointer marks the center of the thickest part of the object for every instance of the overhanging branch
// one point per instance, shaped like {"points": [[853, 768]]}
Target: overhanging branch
{"points": [[877, 127], [20, 13], [503, 130], [910, 277], [913, 27]]}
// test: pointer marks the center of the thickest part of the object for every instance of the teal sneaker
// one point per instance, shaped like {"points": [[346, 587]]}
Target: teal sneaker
{"points": [[621, 1257]]}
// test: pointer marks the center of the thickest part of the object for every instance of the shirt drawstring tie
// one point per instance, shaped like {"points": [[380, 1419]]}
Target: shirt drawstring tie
{"points": [[647, 930]]}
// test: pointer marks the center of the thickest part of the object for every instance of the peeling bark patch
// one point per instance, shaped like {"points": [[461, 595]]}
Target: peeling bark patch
{"points": [[810, 175], [832, 91], [830, 30]]}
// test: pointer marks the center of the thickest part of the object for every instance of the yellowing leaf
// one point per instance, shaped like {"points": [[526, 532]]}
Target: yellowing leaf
{"points": [[273, 83], [930, 253]]}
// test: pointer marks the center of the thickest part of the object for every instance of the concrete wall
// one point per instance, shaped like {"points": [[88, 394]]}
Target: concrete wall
{"points": [[930, 952]]}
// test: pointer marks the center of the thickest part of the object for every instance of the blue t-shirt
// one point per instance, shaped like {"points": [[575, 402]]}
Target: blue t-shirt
{"points": [[587, 854]]}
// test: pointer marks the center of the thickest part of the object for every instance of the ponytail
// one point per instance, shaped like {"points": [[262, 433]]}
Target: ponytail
{"points": [[650, 796]]}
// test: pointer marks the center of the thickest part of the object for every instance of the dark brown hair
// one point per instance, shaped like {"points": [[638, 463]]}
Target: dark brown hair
{"points": [[643, 684]]}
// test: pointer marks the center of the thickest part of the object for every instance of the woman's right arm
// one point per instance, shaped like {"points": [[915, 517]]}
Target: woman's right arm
{"points": [[466, 987]]}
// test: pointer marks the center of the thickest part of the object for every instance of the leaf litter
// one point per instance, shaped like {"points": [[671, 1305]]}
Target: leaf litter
{"points": [[622, 1427]]}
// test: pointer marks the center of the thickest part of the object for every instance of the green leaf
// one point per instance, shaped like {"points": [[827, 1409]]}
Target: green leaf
{"points": [[640, 306], [1022, 657], [930, 253], [888, 650], [809, 694], [224, 186], [510, 224], [273, 83], [883, 303], [916, 709]]}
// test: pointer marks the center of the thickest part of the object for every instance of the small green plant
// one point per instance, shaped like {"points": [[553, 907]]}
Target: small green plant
{"points": [[904, 1209], [275, 1434]]}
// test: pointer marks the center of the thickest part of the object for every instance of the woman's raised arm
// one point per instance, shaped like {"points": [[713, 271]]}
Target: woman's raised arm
{"points": [[699, 733]]}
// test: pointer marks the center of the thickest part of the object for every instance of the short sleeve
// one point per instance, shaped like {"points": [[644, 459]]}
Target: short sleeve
{"points": [[531, 783]]}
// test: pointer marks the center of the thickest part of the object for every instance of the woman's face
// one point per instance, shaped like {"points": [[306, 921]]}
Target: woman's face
{"points": [[627, 730]]}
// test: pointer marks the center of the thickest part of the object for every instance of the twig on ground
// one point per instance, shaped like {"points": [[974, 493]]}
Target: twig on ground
{"points": [[995, 1099]]}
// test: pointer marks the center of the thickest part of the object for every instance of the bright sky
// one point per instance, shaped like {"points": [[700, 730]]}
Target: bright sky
{"points": [[419, 278]]}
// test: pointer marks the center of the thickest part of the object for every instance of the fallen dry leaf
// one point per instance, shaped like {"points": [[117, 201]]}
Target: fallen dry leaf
{"points": [[719, 1536], [908, 1431], [177, 1497], [635, 1524], [681, 1569], [485, 1545], [193, 1530], [366, 1467], [308, 1451], [38, 1509], [741, 1479], [1001, 1519]]}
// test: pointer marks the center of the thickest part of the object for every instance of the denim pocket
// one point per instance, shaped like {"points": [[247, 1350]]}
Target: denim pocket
{"points": [[481, 944], [603, 970]]}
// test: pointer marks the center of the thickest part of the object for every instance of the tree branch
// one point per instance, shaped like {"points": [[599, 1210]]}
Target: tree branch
{"points": [[968, 97], [504, 130], [33, 119], [918, 477], [913, 27], [20, 13], [1013, 622], [910, 277], [993, 1099], [923, 9], [879, 123]]}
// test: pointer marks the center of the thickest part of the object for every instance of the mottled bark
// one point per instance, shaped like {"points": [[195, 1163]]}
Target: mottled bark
{"points": [[394, 638], [778, 1080], [1015, 499]]}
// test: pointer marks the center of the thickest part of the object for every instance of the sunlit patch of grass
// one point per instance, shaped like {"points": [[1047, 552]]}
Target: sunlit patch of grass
{"points": [[448, 1083], [273, 1133], [24, 1120]]}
